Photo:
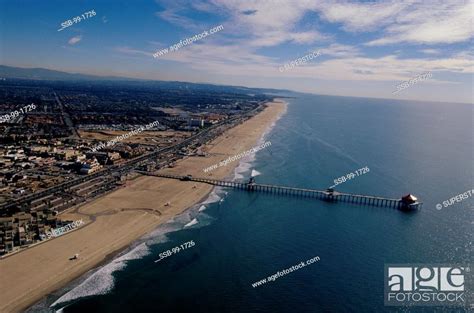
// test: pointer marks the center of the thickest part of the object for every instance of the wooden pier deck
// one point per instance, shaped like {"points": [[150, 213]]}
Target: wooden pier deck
{"points": [[332, 196]]}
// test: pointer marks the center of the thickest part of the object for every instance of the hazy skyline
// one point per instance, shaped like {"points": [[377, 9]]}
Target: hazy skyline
{"points": [[366, 49]]}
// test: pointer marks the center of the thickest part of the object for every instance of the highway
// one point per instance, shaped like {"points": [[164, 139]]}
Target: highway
{"points": [[129, 165], [67, 118]]}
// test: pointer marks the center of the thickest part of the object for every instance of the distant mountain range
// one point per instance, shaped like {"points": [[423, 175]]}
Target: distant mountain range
{"points": [[46, 74]]}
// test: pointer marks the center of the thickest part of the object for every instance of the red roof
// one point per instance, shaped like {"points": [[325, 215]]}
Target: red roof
{"points": [[409, 198]]}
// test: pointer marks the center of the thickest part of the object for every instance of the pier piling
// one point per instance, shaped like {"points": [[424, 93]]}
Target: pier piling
{"points": [[327, 195]]}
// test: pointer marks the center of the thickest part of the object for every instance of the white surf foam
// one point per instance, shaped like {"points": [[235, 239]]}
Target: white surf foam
{"points": [[186, 218], [214, 196], [159, 235], [244, 166], [193, 222], [246, 162], [272, 125], [102, 281]]}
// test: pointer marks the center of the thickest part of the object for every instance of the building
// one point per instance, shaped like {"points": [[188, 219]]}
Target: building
{"points": [[104, 157], [67, 154], [90, 166], [410, 202], [23, 229], [6, 234], [196, 122]]}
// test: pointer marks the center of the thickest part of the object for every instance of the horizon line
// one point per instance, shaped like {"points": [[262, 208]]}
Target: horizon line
{"points": [[214, 84]]}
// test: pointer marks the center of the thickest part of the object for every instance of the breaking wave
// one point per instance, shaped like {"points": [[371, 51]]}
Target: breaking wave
{"points": [[193, 222], [102, 281]]}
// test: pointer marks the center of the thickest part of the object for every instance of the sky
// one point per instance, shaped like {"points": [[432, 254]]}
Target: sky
{"points": [[366, 48]]}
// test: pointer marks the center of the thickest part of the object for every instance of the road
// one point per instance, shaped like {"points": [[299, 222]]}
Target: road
{"points": [[67, 118], [131, 164]]}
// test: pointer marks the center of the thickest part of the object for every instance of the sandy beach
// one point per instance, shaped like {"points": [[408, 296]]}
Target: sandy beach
{"points": [[116, 220]]}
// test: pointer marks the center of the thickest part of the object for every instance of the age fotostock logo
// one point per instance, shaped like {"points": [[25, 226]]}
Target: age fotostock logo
{"points": [[421, 284]]}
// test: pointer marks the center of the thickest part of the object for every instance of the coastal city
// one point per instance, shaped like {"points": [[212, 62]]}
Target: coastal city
{"points": [[49, 159], [222, 156]]}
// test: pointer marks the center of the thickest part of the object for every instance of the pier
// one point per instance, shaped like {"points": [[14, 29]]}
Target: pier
{"points": [[407, 202]]}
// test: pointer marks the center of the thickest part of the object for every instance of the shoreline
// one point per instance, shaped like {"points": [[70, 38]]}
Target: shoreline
{"points": [[77, 281], [111, 228]]}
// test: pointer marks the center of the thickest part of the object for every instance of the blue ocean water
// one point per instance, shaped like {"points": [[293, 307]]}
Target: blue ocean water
{"points": [[240, 237]]}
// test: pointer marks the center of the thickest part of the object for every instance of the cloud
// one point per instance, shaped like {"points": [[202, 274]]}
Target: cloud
{"points": [[173, 17], [276, 37], [130, 51], [356, 17], [443, 23], [272, 23], [275, 22], [417, 22], [296, 27], [266, 23], [430, 51], [74, 40], [176, 12], [345, 63], [252, 25], [249, 12], [306, 37], [341, 51]]}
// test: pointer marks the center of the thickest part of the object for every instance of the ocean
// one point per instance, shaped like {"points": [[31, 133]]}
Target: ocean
{"points": [[241, 237]]}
